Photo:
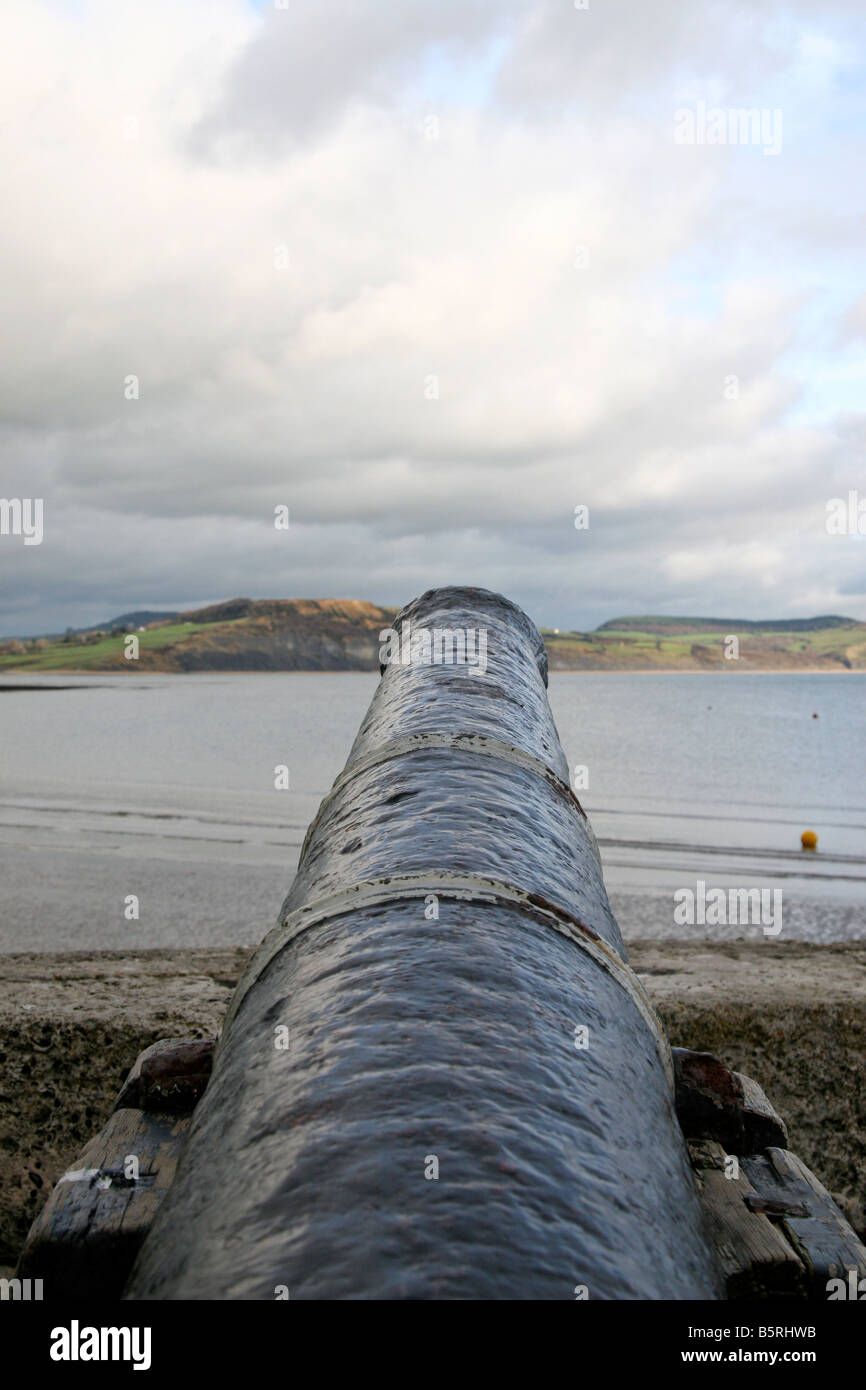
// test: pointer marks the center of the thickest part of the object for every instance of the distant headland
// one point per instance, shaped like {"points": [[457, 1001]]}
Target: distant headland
{"points": [[245, 634]]}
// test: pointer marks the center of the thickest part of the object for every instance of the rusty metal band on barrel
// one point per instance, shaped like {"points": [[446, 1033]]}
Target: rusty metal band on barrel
{"points": [[459, 887]]}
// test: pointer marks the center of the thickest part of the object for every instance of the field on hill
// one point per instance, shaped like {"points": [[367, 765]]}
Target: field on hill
{"points": [[673, 646]]}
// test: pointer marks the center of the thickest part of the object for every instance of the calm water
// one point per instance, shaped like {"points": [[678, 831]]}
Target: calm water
{"points": [[163, 787]]}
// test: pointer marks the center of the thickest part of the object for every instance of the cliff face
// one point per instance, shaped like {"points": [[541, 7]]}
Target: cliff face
{"points": [[278, 635]]}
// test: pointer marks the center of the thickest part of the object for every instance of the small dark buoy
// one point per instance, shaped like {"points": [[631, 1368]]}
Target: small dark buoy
{"points": [[814, 716]]}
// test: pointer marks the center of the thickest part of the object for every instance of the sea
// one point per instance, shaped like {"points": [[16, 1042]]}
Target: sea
{"points": [[140, 811]]}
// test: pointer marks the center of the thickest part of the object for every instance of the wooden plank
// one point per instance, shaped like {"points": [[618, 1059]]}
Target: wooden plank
{"points": [[825, 1242], [756, 1260], [88, 1234]]}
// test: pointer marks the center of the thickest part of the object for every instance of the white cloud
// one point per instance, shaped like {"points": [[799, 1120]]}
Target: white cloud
{"points": [[154, 158]]}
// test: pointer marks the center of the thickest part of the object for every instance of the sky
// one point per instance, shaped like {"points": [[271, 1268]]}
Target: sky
{"points": [[432, 276]]}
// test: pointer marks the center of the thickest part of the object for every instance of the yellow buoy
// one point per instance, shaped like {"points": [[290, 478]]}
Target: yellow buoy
{"points": [[809, 840]]}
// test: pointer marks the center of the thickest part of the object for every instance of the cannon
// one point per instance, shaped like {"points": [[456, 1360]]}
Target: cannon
{"points": [[439, 1077]]}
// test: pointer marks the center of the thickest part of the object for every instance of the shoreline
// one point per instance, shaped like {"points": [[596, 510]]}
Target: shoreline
{"points": [[71, 1025], [342, 671]]}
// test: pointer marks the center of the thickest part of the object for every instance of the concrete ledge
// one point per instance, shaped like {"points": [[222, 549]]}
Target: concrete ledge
{"points": [[792, 1016]]}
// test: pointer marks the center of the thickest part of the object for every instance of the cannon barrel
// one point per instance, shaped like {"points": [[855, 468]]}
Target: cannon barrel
{"points": [[439, 1077]]}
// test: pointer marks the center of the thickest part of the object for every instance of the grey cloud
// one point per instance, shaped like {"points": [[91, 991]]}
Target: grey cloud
{"points": [[315, 59]]}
